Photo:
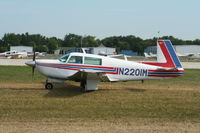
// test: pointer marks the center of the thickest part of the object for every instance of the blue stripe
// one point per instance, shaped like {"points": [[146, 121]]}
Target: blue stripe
{"points": [[173, 54], [167, 73], [61, 66]]}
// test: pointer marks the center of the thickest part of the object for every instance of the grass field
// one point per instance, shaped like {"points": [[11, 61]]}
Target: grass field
{"points": [[171, 105]]}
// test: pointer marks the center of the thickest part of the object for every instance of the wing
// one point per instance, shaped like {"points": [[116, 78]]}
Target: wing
{"points": [[91, 75], [89, 79]]}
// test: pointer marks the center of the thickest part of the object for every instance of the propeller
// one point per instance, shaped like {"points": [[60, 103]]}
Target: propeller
{"points": [[33, 67]]}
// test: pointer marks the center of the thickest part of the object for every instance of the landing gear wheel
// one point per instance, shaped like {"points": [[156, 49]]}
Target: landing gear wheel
{"points": [[49, 86]]}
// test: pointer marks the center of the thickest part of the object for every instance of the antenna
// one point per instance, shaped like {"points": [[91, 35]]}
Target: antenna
{"points": [[158, 34], [82, 37], [81, 41]]}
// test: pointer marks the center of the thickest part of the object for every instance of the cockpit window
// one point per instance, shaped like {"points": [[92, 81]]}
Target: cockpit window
{"points": [[76, 59], [64, 58]]}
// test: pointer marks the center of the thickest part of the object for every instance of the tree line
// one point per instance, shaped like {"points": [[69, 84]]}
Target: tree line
{"points": [[49, 44]]}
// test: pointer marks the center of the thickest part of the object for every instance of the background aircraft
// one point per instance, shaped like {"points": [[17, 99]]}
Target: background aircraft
{"points": [[150, 55], [90, 69], [14, 54]]}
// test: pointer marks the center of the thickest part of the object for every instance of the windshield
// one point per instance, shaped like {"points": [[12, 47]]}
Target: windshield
{"points": [[64, 58]]}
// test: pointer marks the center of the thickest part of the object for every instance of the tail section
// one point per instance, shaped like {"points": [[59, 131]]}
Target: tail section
{"points": [[167, 61], [166, 55]]}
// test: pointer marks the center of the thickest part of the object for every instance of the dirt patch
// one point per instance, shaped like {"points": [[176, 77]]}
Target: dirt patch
{"points": [[97, 127], [21, 85], [102, 86]]}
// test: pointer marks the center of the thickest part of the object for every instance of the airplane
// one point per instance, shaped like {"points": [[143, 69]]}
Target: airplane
{"points": [[37, 54], [146, 55], [150, 55], [90, 69], [14, 54]]}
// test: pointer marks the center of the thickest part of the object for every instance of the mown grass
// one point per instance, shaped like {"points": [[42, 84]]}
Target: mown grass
{"points": [[103, 104], [123, 100], [190, 81], [18, 74]]}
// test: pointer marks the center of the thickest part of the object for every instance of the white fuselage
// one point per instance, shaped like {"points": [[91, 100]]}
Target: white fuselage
{"points": [[89, 69], [114, 69]]}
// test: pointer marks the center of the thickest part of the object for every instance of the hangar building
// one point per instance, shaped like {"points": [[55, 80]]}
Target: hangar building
{"points": [[92, 50], [27, 49], [102, 50], [181, 49]]}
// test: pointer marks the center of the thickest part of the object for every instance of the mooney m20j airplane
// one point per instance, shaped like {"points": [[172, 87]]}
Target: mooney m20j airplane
{"points": [[90, 69]]}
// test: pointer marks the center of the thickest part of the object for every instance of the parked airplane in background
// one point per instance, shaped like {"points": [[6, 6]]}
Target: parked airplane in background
{"points": [[90, 69], [14, 54], [146, 55], [150, 55]]}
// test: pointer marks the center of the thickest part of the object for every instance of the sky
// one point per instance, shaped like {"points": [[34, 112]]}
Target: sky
{"points": [[102, 18]]}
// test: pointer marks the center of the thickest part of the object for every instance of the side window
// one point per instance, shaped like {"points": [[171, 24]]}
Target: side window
{"points": [[93, 61], [76, 59]]}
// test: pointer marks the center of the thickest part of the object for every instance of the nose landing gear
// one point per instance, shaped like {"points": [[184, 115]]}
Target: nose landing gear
{"points": [[48, 86]]}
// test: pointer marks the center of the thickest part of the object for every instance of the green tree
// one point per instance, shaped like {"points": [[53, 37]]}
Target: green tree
{"points": [[12, 39], [196, 42], [72, 40], [42, 43], [52, 45], [90, 41], [3, 47], [42, 48], [32, 43]]}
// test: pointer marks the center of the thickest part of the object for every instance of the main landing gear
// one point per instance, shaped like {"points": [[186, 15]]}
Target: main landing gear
{"points": [[48, 86], [89, 85], [83, 84]]}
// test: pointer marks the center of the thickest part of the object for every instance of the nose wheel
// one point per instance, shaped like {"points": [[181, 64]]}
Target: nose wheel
{"points": [[49, 86]]}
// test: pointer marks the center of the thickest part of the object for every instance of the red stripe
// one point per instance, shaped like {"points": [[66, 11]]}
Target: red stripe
{"points": [[165, 51], [168, 58], [113, 72], [80, 66]]}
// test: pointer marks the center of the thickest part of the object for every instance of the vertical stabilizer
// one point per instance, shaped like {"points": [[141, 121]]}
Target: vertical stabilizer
{"points": [[167, 55]]}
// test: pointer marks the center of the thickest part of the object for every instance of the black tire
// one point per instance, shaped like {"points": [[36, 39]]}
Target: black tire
{"points": [[49, 86]]}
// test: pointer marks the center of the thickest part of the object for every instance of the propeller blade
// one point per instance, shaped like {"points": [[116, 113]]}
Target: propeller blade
{"points": [[33, 71], [34, 56], [33, 67]]}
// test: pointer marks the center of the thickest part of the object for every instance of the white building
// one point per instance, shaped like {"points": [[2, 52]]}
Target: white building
{"points": [[180, 49], [187, 49], [27, 49], [103, 50]]}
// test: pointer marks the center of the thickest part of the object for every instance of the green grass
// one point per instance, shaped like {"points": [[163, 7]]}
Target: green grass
{"points": [[159, 100], [103, 104], [18, 74]]}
